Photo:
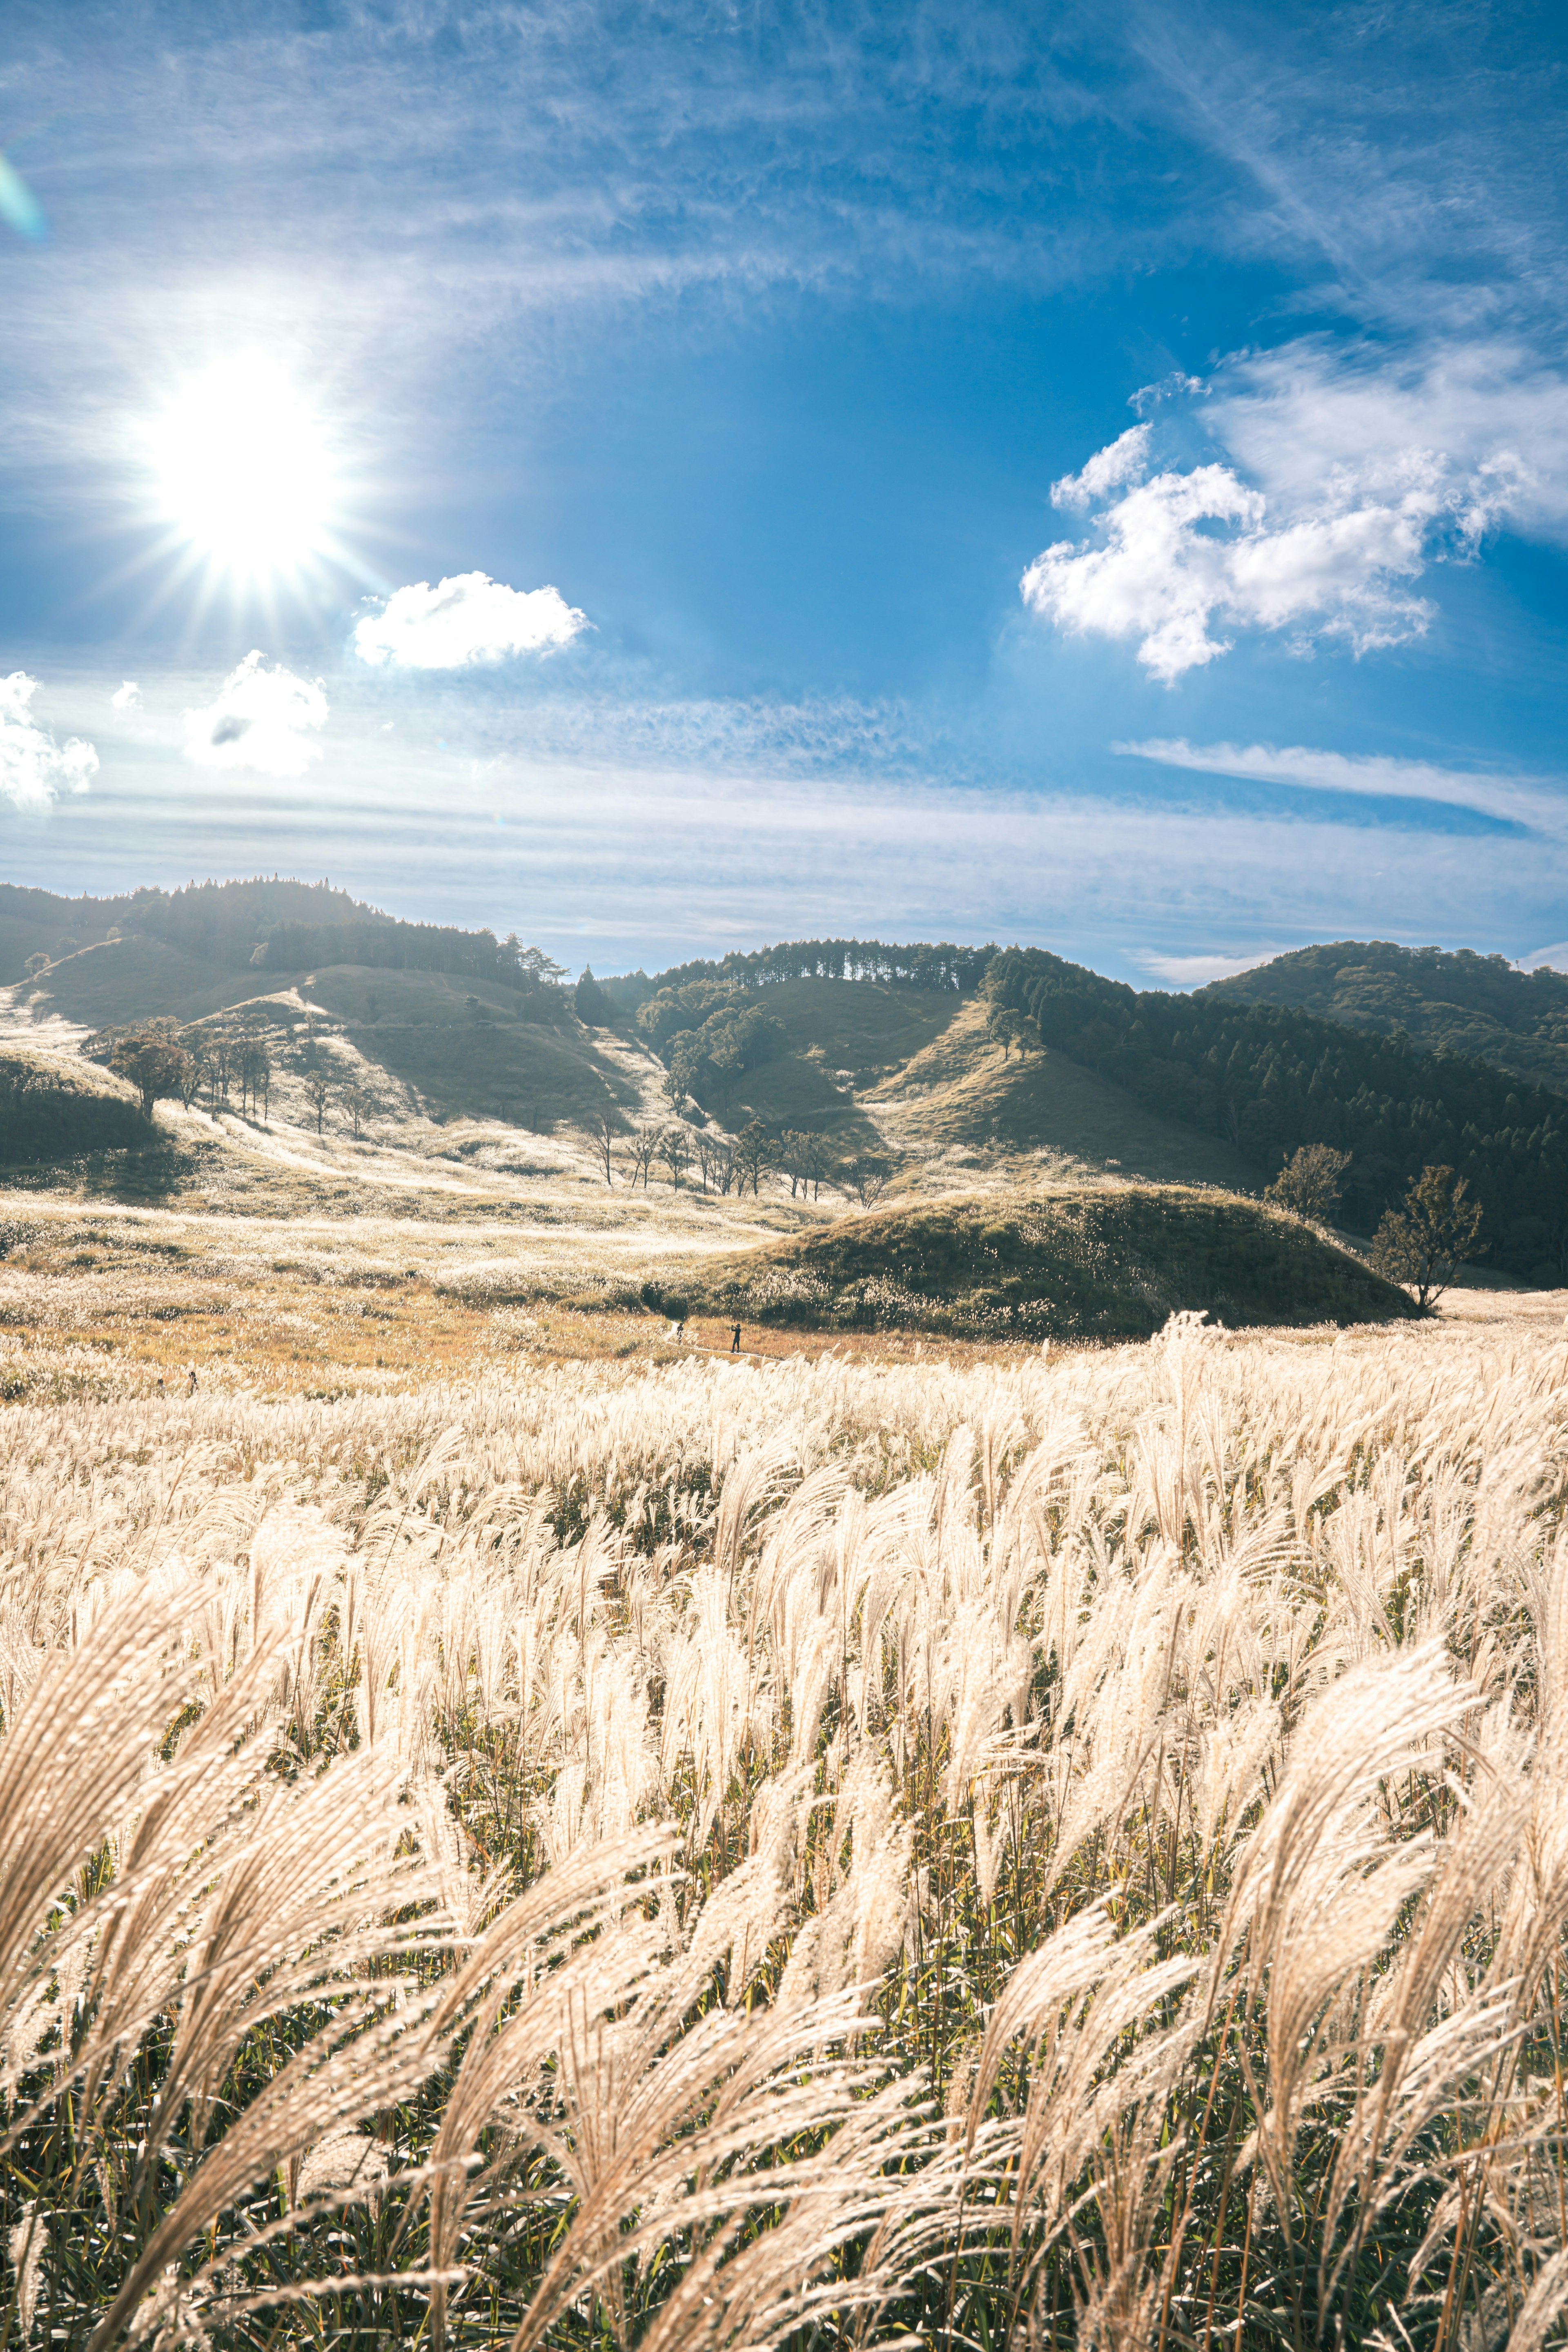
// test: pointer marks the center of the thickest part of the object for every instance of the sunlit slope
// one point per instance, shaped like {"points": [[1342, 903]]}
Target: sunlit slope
{"points": [[959, 1090], [121, 982], [463, 1047], [456, 1047], [1108, 1262]]}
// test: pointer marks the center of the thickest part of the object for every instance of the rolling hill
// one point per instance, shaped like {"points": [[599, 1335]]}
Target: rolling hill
{"points": [[898, 1055], [1269, 1078], [1111, 1263]]}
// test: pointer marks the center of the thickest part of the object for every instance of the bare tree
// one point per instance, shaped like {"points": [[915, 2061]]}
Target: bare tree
{"points": [[642, 1150], [866, 1179], [602, 1135], [195, 1071], [715, 1160], [320, 1094], [356, 1102]]}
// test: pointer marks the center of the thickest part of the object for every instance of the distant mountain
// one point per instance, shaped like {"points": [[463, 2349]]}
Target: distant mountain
{"points": [[1463, 1003]]}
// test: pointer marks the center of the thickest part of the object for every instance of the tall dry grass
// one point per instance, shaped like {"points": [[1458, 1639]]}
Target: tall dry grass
{"points": [[1069, 1854]]}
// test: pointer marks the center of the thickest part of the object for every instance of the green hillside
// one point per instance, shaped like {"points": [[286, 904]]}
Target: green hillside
{"points": [[217, 922], [959, 1090], [467, 1048], [1107, 1264], [1268, 1078], [1460, 1003], [124, 980]]}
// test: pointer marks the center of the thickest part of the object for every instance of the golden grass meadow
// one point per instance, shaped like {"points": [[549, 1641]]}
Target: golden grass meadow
{"points": [[994, 1848]]}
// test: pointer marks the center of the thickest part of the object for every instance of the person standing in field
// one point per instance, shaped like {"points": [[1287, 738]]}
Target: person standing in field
{"points": [[735, 1342]]}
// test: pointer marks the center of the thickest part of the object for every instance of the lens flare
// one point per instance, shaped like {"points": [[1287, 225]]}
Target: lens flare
{"points": [[243, 469]]}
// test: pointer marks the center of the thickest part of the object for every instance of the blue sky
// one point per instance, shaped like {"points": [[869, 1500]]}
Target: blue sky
{"points": [[658, 479]]}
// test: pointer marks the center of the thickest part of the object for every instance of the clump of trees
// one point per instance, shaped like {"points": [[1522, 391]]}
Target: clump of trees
{"points": [[913, 963], [153, 1061], [739, 1163], [709, 1036], [1423, 1242]]}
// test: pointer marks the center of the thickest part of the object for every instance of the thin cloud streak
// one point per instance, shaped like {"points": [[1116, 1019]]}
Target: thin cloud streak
{"points": [[1516, 802]]}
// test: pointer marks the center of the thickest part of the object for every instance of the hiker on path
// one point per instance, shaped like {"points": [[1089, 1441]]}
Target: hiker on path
{"points": [[735, 1342]]}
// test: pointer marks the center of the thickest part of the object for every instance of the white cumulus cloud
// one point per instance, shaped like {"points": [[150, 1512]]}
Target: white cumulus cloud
{"points": [[127, 697], [467, 619], [1126, 460], [34, 769], [263, 718], [1163, 574], [1343, 476]]}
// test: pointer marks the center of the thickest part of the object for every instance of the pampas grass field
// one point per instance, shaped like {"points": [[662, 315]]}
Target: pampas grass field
{"points": [[1071, 1851]]}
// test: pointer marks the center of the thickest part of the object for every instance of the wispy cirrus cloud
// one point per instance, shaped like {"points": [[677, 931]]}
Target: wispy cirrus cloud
{"points": [[1526, 801], [1197, 970]]}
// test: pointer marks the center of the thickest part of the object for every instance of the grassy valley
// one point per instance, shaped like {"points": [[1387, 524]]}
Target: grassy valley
{"points": [[955, 1649]]}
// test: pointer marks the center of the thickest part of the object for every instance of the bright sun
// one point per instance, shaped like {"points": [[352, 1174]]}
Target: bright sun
{"points": [[244, 468]]}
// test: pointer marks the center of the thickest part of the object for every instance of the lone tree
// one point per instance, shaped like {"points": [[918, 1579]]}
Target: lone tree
{"points": [[756, 1153], [254, 1070], [356, 1102], [157, 1065], [318, 1089], [1425, 1243], [1310, 1184], [675, 1151], [604, 1138], [592, 1006], [866, 1179], [34, 965]]}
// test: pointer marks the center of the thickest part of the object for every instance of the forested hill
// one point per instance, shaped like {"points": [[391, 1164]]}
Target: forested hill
{"points": [[1269, 1078], [1480, 1006], [221, 921]]}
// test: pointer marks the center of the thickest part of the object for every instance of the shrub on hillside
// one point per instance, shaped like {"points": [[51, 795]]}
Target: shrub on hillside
{"points": [[50, 1111]]}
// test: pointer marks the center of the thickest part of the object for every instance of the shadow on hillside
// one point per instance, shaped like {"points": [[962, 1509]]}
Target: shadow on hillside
{"points": [[151, 1174]]}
